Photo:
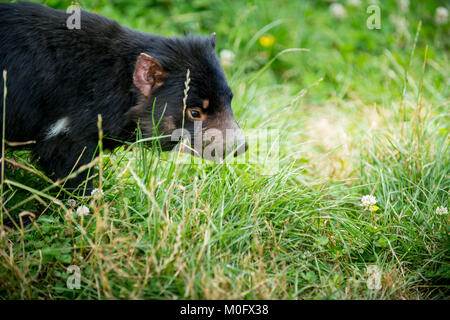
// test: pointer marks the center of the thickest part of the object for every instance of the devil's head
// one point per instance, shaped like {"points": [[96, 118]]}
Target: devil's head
{"points": [[184, 92]]}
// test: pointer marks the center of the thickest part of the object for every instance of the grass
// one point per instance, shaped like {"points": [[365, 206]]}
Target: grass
{"points": [[361, 112]]}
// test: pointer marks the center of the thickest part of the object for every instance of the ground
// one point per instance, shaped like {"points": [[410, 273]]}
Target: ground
{"points": [[360, 112]]}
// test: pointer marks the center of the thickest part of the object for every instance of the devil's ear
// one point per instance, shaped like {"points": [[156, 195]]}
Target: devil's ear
{"points": [[213, 39], [148, 74]]}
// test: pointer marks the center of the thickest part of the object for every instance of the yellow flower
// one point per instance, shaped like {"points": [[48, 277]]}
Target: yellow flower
{"points": [[374, 208], [267, 41]]}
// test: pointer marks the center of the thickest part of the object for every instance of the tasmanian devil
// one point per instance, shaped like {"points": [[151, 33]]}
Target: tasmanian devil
{"points": [[59, 79]]}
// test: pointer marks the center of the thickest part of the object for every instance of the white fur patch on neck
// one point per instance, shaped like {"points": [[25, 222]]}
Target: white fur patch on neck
{"points": [[60, 126]]}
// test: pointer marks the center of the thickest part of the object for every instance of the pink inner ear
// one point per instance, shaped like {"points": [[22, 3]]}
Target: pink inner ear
{"points": [[141, 82], [141, 78], [148, 73]]}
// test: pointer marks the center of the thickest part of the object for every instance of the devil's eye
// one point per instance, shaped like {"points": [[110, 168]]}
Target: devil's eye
{"points": [[195, 114]]}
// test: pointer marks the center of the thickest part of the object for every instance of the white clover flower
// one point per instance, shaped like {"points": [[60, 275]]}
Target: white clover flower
{"points": [[306, 255], [441, 210], [96, 193], [82, 211], [368, 202], [403, 5], [227, 58], [354, 3], [338, 10], [71, 203], [441, 15]]}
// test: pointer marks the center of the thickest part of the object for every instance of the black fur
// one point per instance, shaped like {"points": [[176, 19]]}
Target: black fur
{"points": [[54, 72]]}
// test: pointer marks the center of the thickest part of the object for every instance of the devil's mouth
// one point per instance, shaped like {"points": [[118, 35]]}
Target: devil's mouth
{"points": [[166, 145]]}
